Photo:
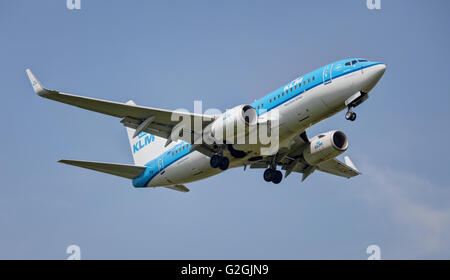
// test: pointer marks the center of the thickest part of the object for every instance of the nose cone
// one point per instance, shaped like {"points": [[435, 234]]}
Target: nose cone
{"points": [[380, 69], [372, 75]]}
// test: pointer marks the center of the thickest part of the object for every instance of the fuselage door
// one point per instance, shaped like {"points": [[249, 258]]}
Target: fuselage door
{"points": [[160, 164], [327, 74]]}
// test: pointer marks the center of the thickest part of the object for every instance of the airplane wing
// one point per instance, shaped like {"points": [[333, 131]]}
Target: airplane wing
{"points": [[155, 121], [292, 161], [338, 168]]}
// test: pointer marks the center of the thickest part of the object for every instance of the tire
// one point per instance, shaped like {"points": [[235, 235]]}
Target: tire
{"points": [[268, 175], [278, 177], [348, 115], [353, 117], [224, 163], [215, 161]]}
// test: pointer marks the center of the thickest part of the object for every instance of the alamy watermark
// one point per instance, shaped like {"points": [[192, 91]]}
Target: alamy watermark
{"points": [[373, 4], [73, 4], [74, 252], [374, 252], [242, 125]]}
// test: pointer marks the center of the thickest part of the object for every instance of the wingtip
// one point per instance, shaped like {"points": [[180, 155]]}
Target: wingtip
{"points": [[349, 163], [37, 87]]}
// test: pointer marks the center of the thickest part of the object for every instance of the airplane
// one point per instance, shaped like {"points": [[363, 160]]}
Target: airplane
{"points": [[164, 158]]}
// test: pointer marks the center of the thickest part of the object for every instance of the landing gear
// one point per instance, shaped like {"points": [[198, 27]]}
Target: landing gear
{"points": [[224, 164], [218, 161], [350, 115], [272, 175]]}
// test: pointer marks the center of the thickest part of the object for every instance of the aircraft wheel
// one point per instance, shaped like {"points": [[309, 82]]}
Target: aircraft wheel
{"points": [[224, 163], [278, 177], [269, 174], [215, 161], [351, 116]]}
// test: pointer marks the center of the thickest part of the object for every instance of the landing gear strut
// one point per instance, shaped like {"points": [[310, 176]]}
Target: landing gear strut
{"points": [[273, 175], [350, 115], [218, 161]]}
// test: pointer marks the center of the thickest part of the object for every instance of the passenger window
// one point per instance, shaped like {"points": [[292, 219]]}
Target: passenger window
{"points": [[304, 83], [278, 96], [308, 81], [313, 78]]}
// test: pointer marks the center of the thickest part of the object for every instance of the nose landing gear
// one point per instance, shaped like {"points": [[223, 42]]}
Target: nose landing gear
{"points": [[350, 115]]}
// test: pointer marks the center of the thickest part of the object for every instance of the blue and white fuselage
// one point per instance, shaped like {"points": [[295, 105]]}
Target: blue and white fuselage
{"points": [[303, 102]]}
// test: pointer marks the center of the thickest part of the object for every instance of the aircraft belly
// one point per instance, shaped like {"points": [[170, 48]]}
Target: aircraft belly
{"points": [[193, 167]]}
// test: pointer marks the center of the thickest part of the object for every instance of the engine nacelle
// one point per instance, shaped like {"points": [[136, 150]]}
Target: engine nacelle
{"points": [[325, 146], [234, 124]]}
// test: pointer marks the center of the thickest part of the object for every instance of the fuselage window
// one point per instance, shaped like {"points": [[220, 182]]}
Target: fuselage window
{"points": [[313, 78], [308, 81], [362, 60]]}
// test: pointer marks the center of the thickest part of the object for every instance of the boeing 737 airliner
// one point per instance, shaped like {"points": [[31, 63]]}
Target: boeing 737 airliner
{"points": [[164, 158]]}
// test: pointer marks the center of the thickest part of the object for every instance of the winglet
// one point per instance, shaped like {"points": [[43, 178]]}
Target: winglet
{"points": [[37, 87], [349, 163]]}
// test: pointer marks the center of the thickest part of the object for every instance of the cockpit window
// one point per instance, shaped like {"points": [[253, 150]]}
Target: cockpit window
{"points": [[354, 62], [362, 60], [348, 63]]}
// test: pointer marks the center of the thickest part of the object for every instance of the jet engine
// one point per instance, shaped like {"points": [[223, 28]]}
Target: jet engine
{"points": [[233, 125], [325, 146]]}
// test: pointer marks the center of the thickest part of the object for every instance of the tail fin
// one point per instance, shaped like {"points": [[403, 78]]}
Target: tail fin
{"points": [[144, 146]]}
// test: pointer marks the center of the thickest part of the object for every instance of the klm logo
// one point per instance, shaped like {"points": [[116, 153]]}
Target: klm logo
{"points": [[318, 145], [144, 140]]}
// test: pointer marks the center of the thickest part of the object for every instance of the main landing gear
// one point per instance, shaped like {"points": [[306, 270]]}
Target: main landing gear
{"points": [[218, 161], [350, 115], [273, 175]]}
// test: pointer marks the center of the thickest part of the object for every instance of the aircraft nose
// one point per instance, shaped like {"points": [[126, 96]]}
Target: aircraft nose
{"points": [[374, 74], [380, 69]]}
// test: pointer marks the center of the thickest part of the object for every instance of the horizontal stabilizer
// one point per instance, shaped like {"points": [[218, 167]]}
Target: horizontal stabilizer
{"points": [[121, 170]]}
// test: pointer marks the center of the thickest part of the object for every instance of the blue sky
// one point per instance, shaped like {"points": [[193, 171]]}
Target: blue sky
{"points": [[169, 53]]}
